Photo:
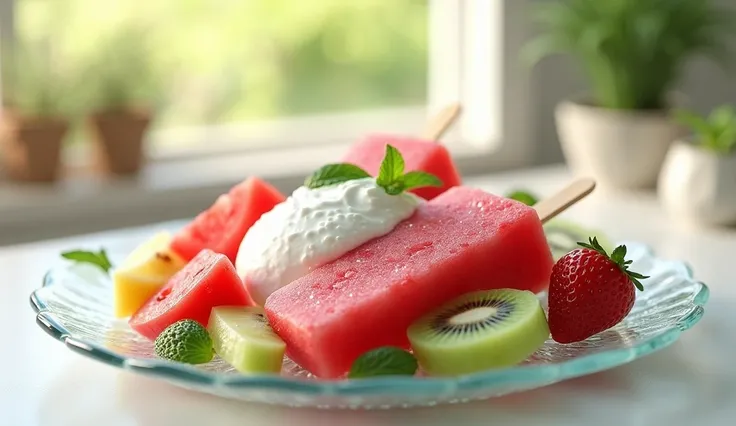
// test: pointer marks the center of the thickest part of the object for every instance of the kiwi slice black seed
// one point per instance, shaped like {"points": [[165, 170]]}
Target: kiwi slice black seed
{"points": [[479, 331]]}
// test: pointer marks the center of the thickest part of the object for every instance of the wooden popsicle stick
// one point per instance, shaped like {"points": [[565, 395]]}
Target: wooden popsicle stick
{"points": [[569, 195], [438, 125]]}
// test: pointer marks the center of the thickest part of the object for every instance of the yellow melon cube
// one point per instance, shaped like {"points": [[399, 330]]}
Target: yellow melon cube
{"points": [[143, 273]]}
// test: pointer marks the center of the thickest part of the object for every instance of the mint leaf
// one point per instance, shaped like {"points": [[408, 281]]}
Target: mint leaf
{"points": [[395, 188], [417, 179], [522, 196], [391, 175], [392, 168], [99, 259], [384, 361], [332, 174]]}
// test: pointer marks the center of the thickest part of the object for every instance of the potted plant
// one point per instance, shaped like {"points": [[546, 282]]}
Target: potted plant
{"points": [[698, 179], [34, 115], [632, 53], [122, 93]]}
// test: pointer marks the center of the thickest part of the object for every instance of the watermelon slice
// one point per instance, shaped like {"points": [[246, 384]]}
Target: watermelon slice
{"points": [[428, 156], [222, 227], [207, 281], [462, 241]]}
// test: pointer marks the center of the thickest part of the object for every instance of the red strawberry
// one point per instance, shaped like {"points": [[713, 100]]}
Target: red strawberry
{"points": [[590, 292]]}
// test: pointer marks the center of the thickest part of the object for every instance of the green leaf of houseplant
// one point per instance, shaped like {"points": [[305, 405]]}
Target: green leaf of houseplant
{"points": [[715, 132]]}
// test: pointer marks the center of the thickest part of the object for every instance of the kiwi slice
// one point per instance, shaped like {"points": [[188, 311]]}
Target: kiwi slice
{"points": [[479, 331], [242, 337], [563, 237]]}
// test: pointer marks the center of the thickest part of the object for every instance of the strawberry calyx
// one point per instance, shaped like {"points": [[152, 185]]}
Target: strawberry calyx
{"points": [[618, 257]]}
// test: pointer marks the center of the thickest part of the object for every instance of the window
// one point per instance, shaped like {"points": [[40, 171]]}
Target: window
{"points": [[243, 77], [252, 74]]}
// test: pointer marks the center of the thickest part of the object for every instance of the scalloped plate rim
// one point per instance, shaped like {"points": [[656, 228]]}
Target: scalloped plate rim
{"points": [[186, 374]]}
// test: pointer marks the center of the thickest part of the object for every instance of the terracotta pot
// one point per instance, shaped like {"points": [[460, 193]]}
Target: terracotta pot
{"points": [[31, 146], [697, 186], [119, 139], [620, 149]]}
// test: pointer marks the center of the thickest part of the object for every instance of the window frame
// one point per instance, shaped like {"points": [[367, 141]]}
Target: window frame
{"points": [[478, 67], [472, 60]]}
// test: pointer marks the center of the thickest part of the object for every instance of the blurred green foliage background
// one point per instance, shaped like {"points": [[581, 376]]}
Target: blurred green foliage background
{"points": [[218, 61]]}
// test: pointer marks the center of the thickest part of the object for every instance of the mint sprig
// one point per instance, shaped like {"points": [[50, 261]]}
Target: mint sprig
{"points": [[98, 259], [332, 174], [394, 181], [391, 176], [618, 256], [384, 361]]}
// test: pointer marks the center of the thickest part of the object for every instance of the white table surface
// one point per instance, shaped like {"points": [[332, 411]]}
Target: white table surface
{"points": [[691, 382]]}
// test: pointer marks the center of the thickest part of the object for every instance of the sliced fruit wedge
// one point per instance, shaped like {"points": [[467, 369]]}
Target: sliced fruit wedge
{"points": [[243, 338], [207, 281], [146, 269]]}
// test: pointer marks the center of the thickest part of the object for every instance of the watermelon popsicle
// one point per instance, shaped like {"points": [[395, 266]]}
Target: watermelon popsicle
{"points": [[421, 153], [464, 240]]}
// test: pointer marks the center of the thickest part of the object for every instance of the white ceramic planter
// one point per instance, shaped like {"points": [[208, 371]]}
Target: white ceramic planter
{"points": [[620, 149], [698, 186]]}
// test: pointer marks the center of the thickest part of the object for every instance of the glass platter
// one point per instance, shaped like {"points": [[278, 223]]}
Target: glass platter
{"points": [[74, 305]]}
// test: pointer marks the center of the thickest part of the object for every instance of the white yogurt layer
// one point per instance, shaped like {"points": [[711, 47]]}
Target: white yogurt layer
{"points": [[313, 227]]}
